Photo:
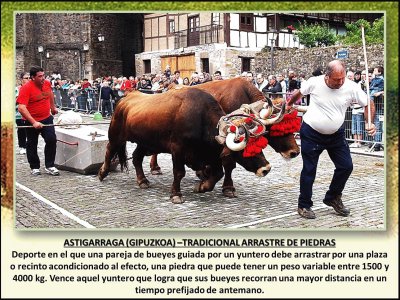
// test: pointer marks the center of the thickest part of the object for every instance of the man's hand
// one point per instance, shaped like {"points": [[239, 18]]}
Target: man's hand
{"points": [[370, 130], [37, 125], [54, 110]]}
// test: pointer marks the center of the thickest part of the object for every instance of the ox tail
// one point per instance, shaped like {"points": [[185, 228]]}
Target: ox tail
{"points": [[122, 156]]}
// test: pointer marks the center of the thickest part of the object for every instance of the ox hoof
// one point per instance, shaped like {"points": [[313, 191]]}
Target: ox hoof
{"points": [[229, 192], [156, 172], [197, 188], [177, 199], [145, 184]]}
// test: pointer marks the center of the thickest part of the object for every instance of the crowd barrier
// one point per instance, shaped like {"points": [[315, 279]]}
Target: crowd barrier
{"points": [[88, 102]]}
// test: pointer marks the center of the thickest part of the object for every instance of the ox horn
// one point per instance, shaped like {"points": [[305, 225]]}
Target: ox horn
{"points": [[267, 109], [277, 119], [232, 145]]}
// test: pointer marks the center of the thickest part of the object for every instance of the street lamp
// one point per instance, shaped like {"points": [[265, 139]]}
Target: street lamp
{"points": [[100, 37], [40, 50], [272, 39]]}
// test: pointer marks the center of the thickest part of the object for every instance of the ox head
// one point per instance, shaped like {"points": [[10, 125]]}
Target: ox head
{"points": [[257, 163], [242, 136], [280, 134]]}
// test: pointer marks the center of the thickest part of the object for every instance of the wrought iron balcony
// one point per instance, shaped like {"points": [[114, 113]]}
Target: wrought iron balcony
{"points": [[198, 36]]}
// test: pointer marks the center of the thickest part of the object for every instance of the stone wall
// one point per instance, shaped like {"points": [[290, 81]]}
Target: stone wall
{"points": [[62, 36], [305, 61]]}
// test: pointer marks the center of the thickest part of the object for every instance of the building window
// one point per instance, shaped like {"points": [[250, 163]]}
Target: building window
{"points": [[205, 65], [246, 22], [147, 66], [245, 64], [171, 26], [215, 19]]}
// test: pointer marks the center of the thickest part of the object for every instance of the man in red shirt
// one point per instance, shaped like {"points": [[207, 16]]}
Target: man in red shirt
{"points": [[35, 101], [126, 86]]}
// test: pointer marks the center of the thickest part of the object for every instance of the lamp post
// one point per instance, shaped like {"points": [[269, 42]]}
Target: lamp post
{"points": [[273, 39], [40, 50], [85, 49]]}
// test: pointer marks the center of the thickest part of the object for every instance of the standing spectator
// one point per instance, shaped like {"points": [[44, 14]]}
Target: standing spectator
{"points": [[217, 75], [57, 91], [106, 94], [201, 78], [133, 82], [292, 76], [186, 81], [282, 82], [357, 76], [350, 75], [126, 86], [260, 82], [376, 92], [178, 79], [323, 129], [195, 79], [167, 71], [35, 101], [272, 87], [250, 78], [290, 90], [21, 132], [207, 77]]}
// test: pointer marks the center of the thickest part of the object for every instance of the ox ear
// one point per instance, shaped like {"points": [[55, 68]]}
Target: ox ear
{"points": [[220, 139], [225, 152]]}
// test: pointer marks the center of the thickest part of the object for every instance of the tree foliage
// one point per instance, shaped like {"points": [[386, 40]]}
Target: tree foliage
{"points": [[374, 34], [315, 35]]}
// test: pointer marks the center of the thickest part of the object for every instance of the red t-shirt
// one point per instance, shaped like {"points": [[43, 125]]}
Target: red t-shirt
{"points": [[126, 85], [37, 100]]}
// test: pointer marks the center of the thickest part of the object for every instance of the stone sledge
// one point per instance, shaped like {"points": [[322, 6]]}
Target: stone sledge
{"points": [[81, 149]]}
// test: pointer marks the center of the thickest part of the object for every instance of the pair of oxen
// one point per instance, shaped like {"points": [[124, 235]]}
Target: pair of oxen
{"points": [[191, 123]]}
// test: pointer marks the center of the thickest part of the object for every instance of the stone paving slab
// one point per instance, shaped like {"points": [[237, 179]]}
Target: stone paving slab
{"points": [[263, 203]]}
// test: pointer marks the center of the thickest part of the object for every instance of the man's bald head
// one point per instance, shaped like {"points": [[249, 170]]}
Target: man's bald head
{"points": [[335, 66], [335, 74]]}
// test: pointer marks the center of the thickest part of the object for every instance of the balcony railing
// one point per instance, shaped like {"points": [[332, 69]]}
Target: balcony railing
{"points": [[198, 36]]}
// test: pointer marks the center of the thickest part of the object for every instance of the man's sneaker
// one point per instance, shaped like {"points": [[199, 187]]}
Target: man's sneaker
{"points": [[306, 213], [355, 145], [338, 206], [52, 171], [22, 151], [35, 172]]}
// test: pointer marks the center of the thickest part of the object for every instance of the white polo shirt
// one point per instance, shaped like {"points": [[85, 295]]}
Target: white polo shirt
{"points": [[327, 108]]}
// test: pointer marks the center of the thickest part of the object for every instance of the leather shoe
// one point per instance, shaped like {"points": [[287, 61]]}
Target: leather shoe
{"points": [[338, 206], [306, 213]]}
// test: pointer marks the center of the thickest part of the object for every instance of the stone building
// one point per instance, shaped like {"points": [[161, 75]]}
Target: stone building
{"points": [[228, 42], [90, 45], [78, 45]]}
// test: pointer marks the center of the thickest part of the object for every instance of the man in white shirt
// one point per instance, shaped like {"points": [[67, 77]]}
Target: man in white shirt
{"points": [[323, 129], [261, 82]]}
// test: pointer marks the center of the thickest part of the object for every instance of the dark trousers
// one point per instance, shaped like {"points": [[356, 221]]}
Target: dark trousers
{"points": [[21, 133], [312, 145], [50, 138], [106, 106]]}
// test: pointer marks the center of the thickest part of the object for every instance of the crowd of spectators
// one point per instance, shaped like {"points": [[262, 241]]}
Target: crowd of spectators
{"points": [[104, 93]]}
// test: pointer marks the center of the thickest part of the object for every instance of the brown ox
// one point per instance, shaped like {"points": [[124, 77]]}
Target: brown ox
{"points": [[231, 95], [182, 123]]}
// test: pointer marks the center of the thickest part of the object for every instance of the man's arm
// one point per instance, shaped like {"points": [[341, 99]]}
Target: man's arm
{"points": [[26, 114], [53, 107], [296, 96], [370, 130]]}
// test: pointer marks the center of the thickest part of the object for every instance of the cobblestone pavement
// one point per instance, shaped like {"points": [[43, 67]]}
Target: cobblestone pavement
{"points": [[263, 203]]}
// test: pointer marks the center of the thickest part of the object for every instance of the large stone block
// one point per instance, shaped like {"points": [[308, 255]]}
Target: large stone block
{"points": [[80, 150]]}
